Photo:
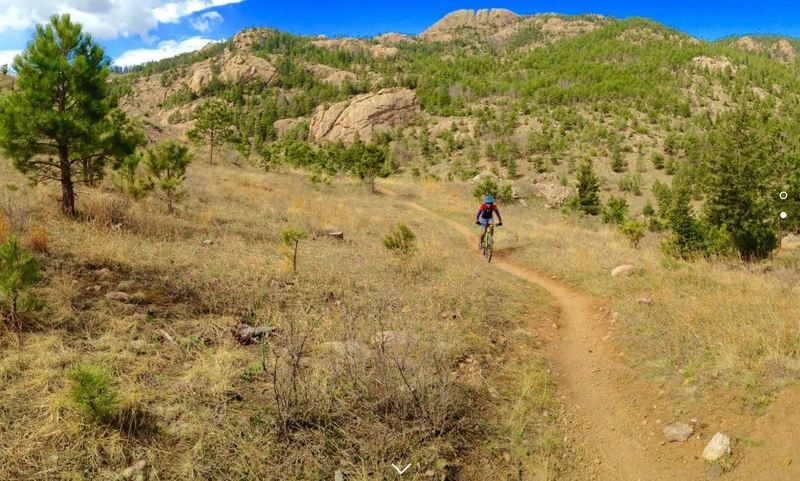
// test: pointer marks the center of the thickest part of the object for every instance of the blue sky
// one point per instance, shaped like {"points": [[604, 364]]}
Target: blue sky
{"points": [[138, 30]]}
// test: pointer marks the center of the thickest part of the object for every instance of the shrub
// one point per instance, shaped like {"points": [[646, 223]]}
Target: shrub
{"points": [[634, 231], [489, 186], [648, 210], [92, 392], [401, 241], [631, 182], [615, 211], [658, 161]]}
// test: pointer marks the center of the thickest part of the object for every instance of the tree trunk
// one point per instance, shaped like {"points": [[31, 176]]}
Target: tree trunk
{"points": [[294, 258], [211, 150], [67, 188]]}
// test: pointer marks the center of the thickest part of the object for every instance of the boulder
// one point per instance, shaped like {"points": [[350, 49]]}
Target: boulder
{"points": [[718, 447], [331, 75], [118, 296], [284, 126], [791, 241], [364, 115], [747, 43], [135, 470], [625, 270], [553, 194], [678, 432], [783, 51], [714, 64]]}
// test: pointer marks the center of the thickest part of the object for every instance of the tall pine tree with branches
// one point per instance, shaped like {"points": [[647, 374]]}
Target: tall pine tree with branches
{"points": [[60, 124]]}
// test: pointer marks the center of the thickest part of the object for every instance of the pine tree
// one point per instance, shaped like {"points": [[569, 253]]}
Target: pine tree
{"points": [[61, 124], [741, 184], [588, 189], [213, 122], [686, 239]]}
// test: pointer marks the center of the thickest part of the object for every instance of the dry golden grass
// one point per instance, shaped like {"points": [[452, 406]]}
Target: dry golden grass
{"points": [[712, 324], [450, 389], [37, 239]]}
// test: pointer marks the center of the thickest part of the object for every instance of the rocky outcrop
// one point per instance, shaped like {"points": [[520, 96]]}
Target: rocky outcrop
{"points": [[783, 51], [554, 195], [714, 64], [481, 21], [331, 75], [394, 39], [284, 126], [364, 115], [249, 39], [355, 45], [233, 68], [748, 44]]}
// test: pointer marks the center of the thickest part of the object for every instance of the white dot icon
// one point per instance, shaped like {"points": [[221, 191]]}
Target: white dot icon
{"points": [[784, 195], [784, 215]]}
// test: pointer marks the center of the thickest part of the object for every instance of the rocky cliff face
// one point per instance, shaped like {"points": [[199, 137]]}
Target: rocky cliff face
{"points": [[364, 115], [233, 68]]}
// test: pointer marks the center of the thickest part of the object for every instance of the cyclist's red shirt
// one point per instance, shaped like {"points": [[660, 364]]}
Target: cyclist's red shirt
{"points": [[487, 210]]}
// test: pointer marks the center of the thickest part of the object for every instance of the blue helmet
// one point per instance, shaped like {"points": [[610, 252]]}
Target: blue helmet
{"points": [[489, 199]]}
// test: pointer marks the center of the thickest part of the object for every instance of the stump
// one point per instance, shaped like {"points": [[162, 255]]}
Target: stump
{"points": [[336, 234]]}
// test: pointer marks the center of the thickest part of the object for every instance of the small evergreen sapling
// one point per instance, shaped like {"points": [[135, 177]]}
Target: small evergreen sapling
{"points": [[167, 165], [292, 238], [19, 271]]}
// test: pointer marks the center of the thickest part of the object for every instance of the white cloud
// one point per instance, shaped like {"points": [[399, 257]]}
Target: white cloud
{"points": [[204, 22], [172, 12], [7, 56], [165, 49], [104, 18]]}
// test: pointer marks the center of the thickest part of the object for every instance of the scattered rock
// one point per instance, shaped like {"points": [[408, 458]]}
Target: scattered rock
{"points": [[364, 115], [134, 471], [208, 242], [118, 296], [678, 432], [338, 475], [247, 334], [790, 242], [625, 270], [719, 446], [103, 273], [336, 234], [646, 301]]}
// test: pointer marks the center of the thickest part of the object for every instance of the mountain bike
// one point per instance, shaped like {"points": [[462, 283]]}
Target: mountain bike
{"points": [[488, 242]]}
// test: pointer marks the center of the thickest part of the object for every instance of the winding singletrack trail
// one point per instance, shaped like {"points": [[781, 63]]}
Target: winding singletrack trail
{"points": [[603, 413]]}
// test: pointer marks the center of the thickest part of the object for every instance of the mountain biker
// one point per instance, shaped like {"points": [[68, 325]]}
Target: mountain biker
{"points": [[485, 217]]}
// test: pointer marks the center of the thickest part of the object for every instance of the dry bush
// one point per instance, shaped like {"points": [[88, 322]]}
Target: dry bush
{"points": [[107, 209], [5, 228], [37, 239]]}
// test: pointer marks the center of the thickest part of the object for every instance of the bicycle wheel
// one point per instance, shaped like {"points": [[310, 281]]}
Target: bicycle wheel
{"points": [[487, 251]]}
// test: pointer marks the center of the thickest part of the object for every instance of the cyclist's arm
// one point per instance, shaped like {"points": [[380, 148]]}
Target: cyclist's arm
{"points": [[500, 219], [478, 215]]}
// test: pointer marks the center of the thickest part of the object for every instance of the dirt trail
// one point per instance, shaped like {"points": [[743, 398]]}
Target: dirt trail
{"points": [[604, 415]]}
